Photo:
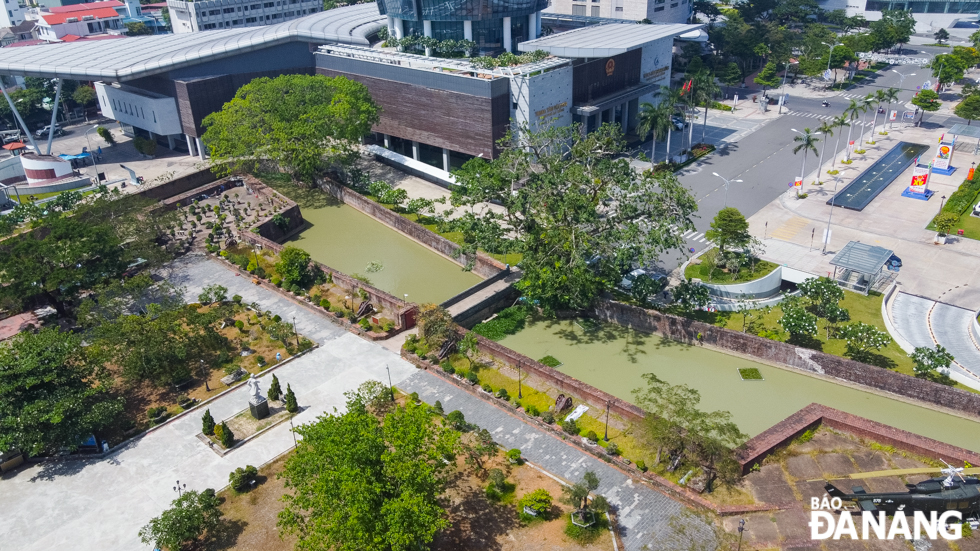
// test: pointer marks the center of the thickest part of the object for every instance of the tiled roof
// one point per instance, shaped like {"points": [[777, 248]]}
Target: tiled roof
{"points": [[98, 13]]}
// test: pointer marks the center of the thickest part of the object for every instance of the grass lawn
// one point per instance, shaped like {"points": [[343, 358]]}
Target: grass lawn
{"points": [[866, 309], [38, 196], [704, 272], [969, 224]]}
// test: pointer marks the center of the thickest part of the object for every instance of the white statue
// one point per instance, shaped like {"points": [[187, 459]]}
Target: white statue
{"points": [[253, 388]]}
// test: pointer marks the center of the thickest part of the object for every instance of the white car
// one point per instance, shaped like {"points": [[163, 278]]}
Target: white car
{"points": [[976, 210], [627, 283], [58, 131]]}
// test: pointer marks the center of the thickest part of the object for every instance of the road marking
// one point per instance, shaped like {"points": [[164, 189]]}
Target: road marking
{"points": [[788, 231], [697, 236]]}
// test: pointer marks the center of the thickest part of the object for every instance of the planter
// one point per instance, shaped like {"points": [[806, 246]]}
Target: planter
{"points": [[187, 404], [940, 239]]}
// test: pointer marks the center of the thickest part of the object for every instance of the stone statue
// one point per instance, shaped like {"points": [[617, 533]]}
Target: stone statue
{"points": [[253, 388]]}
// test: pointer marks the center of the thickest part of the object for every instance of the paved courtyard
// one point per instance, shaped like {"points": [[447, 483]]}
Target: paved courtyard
{"points": [[644, 514], [101, 504]]}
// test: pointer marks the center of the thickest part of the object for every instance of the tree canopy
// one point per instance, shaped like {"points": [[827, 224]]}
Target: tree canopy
{"points": [[306, 124], [51, 396], [574, 208], [927, 100], [729, 229], [359, 483], [189, 517]]}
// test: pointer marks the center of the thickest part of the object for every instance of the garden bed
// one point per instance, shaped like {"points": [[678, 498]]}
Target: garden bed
{"points": [[703, 268]]}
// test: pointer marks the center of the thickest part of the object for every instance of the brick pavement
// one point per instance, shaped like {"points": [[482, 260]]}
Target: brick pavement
{"points": [[644, 513]]}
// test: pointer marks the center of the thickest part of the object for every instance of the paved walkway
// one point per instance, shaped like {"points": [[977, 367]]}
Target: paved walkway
{"points": [[644, 513], [101, 504], [925, 322]]}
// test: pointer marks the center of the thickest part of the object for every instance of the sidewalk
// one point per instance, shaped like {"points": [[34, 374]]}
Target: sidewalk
{"points": [[786, 224], [101, 504], [644, 514]]}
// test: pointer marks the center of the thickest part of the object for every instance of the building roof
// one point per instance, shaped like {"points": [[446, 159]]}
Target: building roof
{"points": [[862, 258], [604, 40], [97, 13], [84, 7], [965, 130], [142, 56], [24, 26]]}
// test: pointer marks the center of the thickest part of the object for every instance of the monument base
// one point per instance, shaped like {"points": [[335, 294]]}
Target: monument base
{"points": [[944, 171], [259, 408], [924, 196]]}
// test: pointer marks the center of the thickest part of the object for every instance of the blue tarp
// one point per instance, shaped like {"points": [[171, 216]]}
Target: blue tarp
{"points": [[85, 155]]}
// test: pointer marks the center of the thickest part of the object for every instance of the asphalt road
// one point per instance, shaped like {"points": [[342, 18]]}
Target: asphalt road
{"points": [[765, 161]]}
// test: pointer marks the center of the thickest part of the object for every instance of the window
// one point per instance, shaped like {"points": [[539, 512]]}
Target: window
{"points": [[250, 20], [595, 11], [674, 5], [578, 9], [619, 8], [256, 6], [276, 16], [269, 5], [661, 8], [228, 10], [214, 12]]}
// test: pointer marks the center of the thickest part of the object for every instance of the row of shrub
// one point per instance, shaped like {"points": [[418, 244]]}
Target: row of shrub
{"points": [[964, 197]]}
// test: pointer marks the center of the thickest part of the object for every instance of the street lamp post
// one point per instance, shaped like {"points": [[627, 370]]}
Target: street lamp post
{"points": [[826, 238], [741, 528], [727, 184], [782, 89], [296, 334], [606, 437], [942, 200], [901, 81], [92, 153], [830, 56], [180, 489], [390, 388], [292, 429], [519, 393]]}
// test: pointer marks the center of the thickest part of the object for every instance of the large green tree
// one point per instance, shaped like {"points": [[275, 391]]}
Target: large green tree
{"points": [[676, 426], [359, 483], [969, 108], [948, 68], [190, 516], [574, 207], [729, 229], [51, 397], [306, 124]]}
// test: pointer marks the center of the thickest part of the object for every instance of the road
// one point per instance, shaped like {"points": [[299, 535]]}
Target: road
{"points": [[765, 161]]}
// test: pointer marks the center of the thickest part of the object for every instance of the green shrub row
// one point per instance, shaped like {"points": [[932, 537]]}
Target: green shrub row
{"points": [[964, 197]]}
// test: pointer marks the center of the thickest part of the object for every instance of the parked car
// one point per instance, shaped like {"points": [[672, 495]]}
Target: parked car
{"points": [[678, 121], [627, 283], [58, 131], [11, 136]]}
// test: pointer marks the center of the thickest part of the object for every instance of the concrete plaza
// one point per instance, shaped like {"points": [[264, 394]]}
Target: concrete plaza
{"points": [[101, 504]]}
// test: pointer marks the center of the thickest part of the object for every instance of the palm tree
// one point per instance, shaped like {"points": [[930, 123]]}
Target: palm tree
{"points": [[672, 97], [827, 129], [867, 103], [891, 95], [653, 119], [704, 91], [807, 142], [880, 97], [838, 122], [851, 112]]}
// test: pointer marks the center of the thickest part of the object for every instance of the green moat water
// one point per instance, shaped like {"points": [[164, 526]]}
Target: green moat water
{"points": [[613, 358], [347, 240]]}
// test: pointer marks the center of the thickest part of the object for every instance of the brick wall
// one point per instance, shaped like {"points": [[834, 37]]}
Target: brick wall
{"points": [[178, 186], [815, 415], [787, 355], [483, 265]]}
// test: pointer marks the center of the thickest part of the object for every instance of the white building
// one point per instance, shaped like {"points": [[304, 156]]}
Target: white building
{"points": [[80, 20], [189, 17], [13, 13], [930, 15], [657, 11]]}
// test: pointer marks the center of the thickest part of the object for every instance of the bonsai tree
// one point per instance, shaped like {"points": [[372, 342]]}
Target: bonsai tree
{"points": [[536, 503], [227, 437], [207, 423], [944, 223], [437, 407], [941, 35], [291, 405], [577, 495], [514, 456], [275, 391]]}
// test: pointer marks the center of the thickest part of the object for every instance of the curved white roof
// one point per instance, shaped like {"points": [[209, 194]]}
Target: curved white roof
{"points": [[135, 57], [605, 40]]}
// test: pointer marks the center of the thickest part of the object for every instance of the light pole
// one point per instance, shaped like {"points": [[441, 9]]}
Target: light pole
{"points": [[901, 81], [296, 334], [803, 167], [292, 429], [741, 528], [830, 56], [782, 90], [519, 393], [942, 200], [391, 388], [826, 238], [92, 153], [180, 489], [606, 437], [727, 184]]}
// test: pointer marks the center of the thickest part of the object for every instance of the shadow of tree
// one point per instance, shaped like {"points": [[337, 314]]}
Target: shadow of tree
{"points": [[226, 535], [476, 522], [806, 341]]}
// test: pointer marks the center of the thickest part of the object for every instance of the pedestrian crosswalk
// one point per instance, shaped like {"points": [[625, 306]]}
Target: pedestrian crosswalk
{"points": [[824, 117], [693, 236]]}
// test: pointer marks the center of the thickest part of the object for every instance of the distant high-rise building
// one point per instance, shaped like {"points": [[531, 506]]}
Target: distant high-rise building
{"points": [[657, 11], [189, 17]]}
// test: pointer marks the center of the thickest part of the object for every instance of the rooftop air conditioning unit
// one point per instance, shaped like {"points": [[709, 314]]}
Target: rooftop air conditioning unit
{"points": [[71, 20], [88, 17]]}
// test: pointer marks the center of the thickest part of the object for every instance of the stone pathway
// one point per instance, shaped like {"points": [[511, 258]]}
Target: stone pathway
{"points": [[101, 504], [644, 513]]}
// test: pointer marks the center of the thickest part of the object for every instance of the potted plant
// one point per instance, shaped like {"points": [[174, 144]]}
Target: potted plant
{"points": [[944, 224], [185, 401]]}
